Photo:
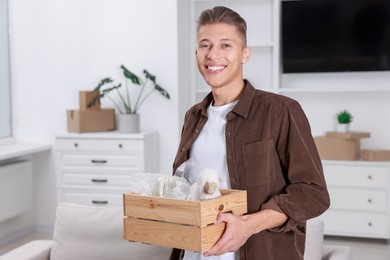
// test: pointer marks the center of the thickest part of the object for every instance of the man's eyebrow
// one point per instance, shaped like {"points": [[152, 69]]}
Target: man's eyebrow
{"points": [[221, 40]]}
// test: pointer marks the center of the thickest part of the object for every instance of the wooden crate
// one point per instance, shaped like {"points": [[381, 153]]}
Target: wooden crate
{"points": [[177, 223]]}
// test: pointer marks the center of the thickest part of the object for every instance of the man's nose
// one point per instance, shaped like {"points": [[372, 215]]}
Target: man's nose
{"points": [[212, 53]]}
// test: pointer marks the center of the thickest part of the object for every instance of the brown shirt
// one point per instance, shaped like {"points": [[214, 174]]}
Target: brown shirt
{"points": [[271, 154]]}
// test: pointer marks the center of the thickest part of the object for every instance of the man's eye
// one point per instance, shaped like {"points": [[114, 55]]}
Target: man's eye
{"points": [[226, 45], [204, 46]]}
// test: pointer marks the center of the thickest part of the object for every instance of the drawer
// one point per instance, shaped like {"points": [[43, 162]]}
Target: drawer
{"points": [[119, 145], [358, 199], [95, 180], [355, 224], [92, 199], [134, 161], [357, 176]]}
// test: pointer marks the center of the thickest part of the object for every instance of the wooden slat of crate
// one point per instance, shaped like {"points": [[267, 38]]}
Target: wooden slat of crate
{"points": [[186, 237], [161, 209], [197, 213], [234, 201]]}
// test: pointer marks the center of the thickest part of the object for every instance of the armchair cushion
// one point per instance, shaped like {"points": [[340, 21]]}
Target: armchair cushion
{"points": [[85, 232], [314, 239], [34, 250]]}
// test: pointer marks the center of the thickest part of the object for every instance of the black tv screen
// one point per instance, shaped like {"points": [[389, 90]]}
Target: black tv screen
{"points": [[335, 35]]}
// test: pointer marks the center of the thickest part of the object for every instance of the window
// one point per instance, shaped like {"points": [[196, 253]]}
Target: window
{"points": [[5, 82]]}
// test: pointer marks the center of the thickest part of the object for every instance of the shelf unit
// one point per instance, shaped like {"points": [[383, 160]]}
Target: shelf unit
{"points": [[263, 67]]}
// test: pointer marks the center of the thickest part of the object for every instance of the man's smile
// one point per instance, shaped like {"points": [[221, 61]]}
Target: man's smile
{"points": [[215, 68]]}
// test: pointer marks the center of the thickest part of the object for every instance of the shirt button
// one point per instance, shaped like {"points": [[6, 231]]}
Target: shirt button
{"points": [[183, 149], [196, 131]]}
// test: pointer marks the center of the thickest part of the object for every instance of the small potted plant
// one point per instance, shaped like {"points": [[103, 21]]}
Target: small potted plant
{"points": [[344, 118], [121, 96]]}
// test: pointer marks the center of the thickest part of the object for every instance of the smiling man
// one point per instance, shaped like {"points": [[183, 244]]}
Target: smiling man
{"points": [[256, 141]]}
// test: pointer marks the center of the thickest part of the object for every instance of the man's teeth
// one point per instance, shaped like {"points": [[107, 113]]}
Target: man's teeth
{"points": [[215, 67]]}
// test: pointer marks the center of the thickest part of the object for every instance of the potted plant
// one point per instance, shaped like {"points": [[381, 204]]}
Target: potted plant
{"points": [[128, 100], [344, 118]]}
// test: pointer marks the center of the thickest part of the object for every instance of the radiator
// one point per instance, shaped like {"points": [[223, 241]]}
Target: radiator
{"points": [[15, 188]]}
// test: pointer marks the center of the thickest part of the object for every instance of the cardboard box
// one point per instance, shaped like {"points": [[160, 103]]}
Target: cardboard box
{"points": [[348, 135], [376, 155], [333, 148], [86, 97], [177, 223], [91, 120]]}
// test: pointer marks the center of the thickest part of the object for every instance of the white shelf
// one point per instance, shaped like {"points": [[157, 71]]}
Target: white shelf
{"points": [[104, 135], [11, 151], [330, 90]]}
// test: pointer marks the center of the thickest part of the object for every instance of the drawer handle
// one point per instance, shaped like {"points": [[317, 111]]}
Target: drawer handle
{"points": [[76, 145], [120, 145], [369, 200], [99, 161], [100, 202], [369, 177], [99, 180], [369, 224]]}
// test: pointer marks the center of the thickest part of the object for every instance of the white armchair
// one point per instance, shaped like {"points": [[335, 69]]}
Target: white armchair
{"points": [[315, 248], [83, 232]]}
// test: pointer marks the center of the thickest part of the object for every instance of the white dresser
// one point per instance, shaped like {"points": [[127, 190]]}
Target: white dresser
{"points": [[94, 168], [360, 195]]}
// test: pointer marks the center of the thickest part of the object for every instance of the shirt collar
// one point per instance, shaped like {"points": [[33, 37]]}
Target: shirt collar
{"points": [[241, 108]]}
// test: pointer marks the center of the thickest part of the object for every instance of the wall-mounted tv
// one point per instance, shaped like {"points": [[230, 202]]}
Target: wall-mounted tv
{"points": [[335, 35]]}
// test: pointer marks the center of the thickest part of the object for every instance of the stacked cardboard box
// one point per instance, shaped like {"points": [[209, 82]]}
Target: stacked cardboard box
{"points": [[340, 146], [376, 155], [90, 118]]}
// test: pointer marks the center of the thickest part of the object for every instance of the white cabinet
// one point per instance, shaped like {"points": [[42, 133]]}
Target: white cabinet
{"points": [[95, 168], [360, 193], [263, 67]]}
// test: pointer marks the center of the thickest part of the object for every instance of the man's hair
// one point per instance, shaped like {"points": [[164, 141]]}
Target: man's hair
{"points": [[221, 14]]}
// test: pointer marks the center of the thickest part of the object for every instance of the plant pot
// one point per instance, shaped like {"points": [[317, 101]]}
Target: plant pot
{"points": [[129, 123], [343, 128]]}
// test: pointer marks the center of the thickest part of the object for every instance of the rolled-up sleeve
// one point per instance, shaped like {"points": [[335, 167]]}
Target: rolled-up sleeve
{"points": [[306, 195]]}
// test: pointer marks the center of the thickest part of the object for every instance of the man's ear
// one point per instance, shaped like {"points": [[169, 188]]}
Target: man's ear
{"points": [[246, 55]]}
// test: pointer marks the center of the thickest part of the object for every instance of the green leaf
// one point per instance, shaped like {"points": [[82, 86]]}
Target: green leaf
{"points": [[128, 74], [162, 91], [344, 117], [150, 76], [102, 83]]}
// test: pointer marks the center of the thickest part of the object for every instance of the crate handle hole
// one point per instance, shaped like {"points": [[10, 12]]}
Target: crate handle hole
{"points": [[221, 207]]}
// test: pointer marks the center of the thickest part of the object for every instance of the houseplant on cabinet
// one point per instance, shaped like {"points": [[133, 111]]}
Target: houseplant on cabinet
{"points": [[344, 118], [126, 100]]}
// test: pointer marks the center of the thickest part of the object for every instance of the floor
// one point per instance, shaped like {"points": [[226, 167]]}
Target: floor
{"points": [[362, 249]]}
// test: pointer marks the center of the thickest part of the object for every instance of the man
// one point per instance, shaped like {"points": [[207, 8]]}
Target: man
{"points": [[256, 141]]}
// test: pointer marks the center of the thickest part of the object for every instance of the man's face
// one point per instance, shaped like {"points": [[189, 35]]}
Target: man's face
{"points": [[220, 54]]}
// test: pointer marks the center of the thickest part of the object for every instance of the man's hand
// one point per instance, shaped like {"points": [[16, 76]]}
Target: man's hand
{"points": [[234, 237], [240, 228]]}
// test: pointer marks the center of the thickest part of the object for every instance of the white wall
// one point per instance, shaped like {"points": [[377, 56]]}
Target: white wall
{"points": [[62, 46]]}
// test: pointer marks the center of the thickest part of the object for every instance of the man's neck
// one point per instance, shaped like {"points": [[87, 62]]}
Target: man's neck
{"points": [[228, 94]]}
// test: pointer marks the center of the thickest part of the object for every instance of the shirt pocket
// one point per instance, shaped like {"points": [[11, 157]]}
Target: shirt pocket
{"points": [[258, 162]]}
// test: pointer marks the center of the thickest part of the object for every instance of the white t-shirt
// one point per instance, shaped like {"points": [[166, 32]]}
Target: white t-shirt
{"points": [[209, 151]]}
